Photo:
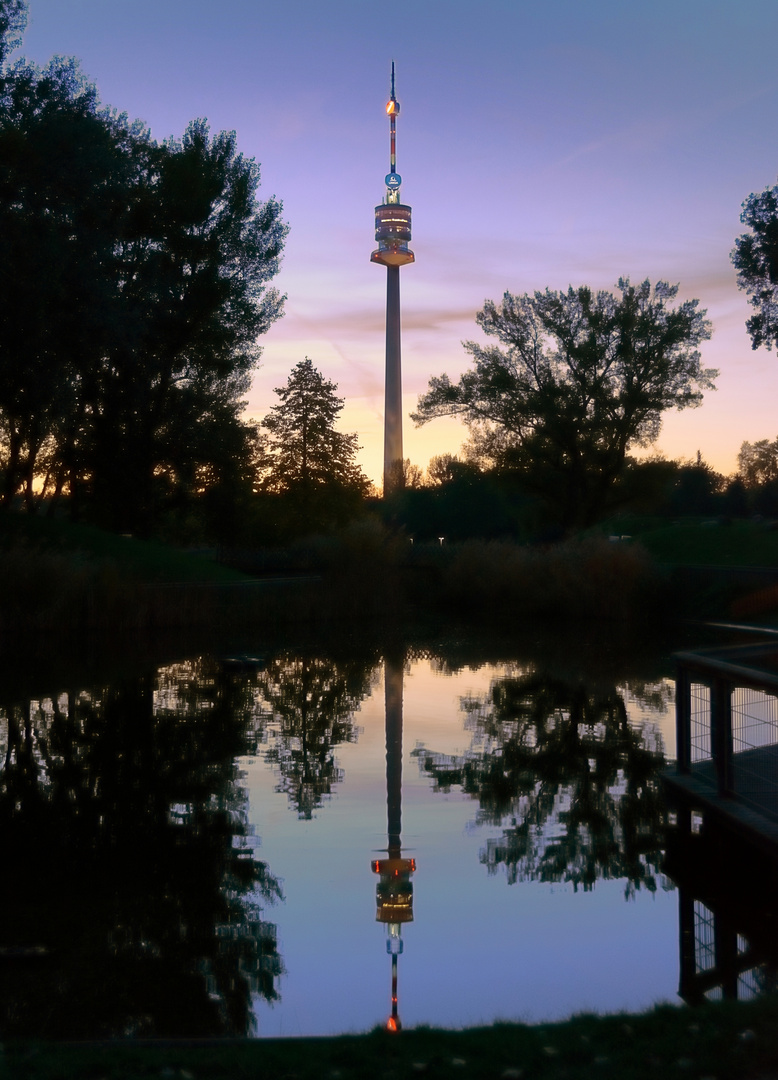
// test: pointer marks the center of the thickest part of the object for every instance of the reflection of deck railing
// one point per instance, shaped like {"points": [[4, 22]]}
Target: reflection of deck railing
{"points": [[721, 845], [727, 723], [726, 882], [716, 961]]}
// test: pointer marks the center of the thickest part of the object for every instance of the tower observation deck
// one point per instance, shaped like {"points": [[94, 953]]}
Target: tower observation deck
{"points": [[392, 232]]}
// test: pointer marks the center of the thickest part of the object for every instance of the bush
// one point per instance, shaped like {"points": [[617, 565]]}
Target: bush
{"points": [[587, 578]]}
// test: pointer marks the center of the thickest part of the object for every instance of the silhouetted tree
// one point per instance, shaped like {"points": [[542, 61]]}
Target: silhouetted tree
{"points": [[755, 485], [196, 266], [304, 450], [305, 459], [584, 377], [757, 462], [696, 488], [755, 257], [443, 468], [134, 288], [61, 171], [13, 20]]}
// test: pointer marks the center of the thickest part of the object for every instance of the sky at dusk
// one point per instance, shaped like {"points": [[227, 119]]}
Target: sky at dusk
{"points": [[540, 145]]}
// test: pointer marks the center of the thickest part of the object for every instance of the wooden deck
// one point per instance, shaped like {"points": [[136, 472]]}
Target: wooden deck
{"points": [[736, 788], [753, 808]]}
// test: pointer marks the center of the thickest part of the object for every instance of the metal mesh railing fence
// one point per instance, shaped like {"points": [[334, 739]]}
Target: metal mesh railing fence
{"points": [[755, 746], [704, 938], [699, 716]]}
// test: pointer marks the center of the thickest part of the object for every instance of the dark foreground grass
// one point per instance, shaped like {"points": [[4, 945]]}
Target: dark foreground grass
{"points": [[728, 1041]]}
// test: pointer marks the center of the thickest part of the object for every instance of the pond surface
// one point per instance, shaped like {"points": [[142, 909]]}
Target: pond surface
{"points": [[276, 842]]}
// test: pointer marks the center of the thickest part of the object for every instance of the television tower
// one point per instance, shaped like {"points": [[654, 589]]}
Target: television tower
{"points": [[393, 231], [394, 890]]}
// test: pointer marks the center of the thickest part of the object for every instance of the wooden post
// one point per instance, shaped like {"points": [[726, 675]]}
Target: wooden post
{"points": [[721, 734], [725, 939], [687, 986], [683, 719]]}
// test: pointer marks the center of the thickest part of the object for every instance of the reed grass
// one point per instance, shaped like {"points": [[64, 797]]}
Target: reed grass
{"points": [[363, 573], [590, 578]]}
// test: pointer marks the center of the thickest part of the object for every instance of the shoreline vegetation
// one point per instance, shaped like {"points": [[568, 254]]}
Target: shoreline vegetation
{"points": [[725, 1040], [57, 577]]}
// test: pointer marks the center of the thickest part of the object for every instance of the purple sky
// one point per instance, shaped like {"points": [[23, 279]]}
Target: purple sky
{"points": [[541, 145]]}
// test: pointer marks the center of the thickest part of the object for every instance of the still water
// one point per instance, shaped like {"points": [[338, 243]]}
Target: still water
{"points": [[260, 843]]}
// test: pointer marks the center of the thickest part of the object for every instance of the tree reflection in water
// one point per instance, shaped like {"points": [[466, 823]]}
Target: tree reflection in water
{"points": [[574, 786], [133, 899], [311, 702]]}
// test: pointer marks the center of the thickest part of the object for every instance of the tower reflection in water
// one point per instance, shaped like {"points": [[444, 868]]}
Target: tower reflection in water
{"points": [[394, 891]]}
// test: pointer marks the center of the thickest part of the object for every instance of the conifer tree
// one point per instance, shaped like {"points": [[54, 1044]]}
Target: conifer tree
{"points": [[304, 451]]}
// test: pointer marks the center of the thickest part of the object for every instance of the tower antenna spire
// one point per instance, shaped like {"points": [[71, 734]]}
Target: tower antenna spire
{"points": [[393, 180]]}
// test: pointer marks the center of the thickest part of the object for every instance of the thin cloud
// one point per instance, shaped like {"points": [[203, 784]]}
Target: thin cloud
{"points": [[656, 130], [362, 322]]}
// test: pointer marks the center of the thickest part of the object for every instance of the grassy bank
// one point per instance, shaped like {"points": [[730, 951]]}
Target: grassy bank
{"points": [[703, 542], [66, 543], [56, 577], [727, 1041]]}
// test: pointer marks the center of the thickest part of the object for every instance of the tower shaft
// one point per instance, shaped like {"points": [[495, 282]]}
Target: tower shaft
{"points": [[393, 389], [393, 703]]}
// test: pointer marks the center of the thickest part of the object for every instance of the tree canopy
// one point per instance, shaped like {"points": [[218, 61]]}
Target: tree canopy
{"points": [[755, 257], [583, 376], [13, 21], [134, 289], [757, 462]]}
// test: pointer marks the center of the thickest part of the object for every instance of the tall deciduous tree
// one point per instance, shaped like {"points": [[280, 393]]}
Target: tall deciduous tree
{"points": [[61, 173], [134, 286], [755, 257], [195, 259], [305, 451], [582, 378]]}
